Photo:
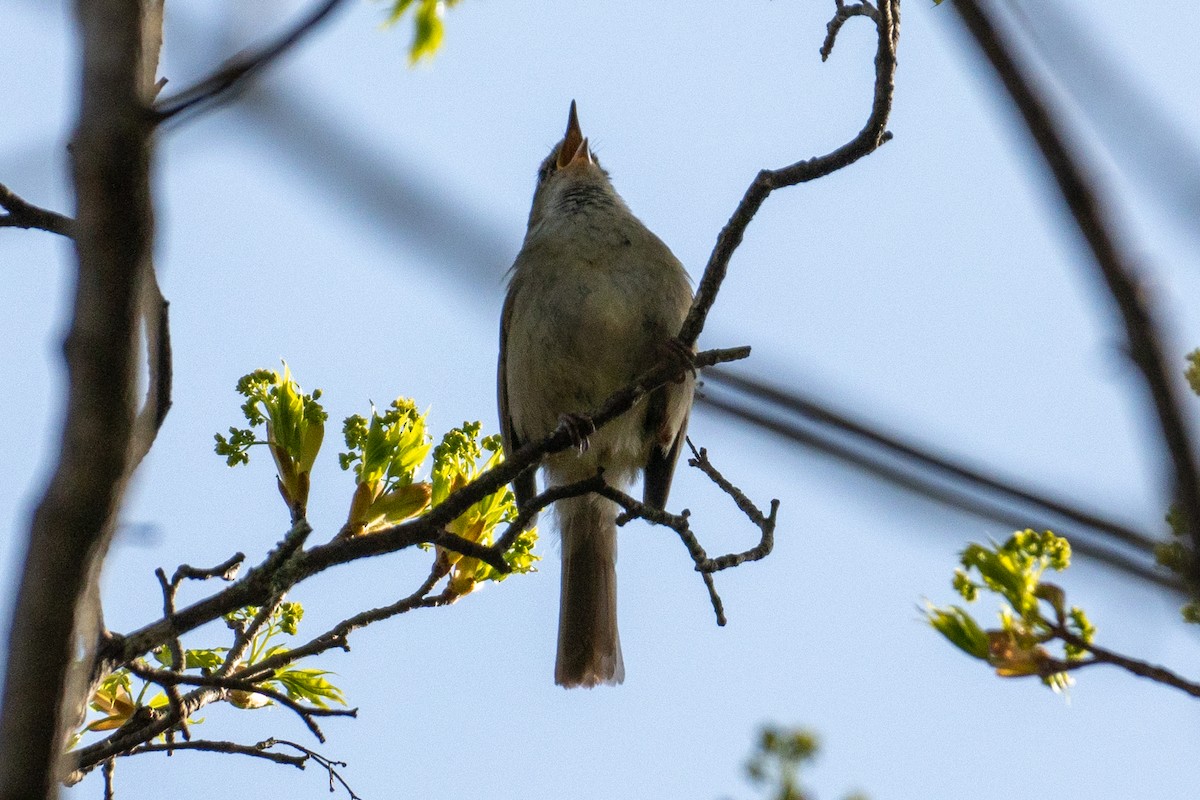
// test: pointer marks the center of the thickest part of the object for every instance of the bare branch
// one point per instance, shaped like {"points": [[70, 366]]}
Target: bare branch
{"points": [[1114, 264], [23, 214], [766, 524], [244, 636], [868, 140], [178, 660], [139, 731], [1102, 655], [547, 498], [843, 15], [156, 322], [214, 746], [241, 68], [323, 761], [227, 570]]}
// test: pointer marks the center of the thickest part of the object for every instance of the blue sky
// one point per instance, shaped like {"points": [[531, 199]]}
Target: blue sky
{"points": [[936, 286]]}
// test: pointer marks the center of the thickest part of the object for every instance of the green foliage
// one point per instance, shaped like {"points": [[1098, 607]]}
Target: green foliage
{"points": [[1176, 554], [456, 462], [957, 625], [385, 454], [1014, 572], [428, 29], [115, 702], [776, 762], [1192, 373], [295, 424]]}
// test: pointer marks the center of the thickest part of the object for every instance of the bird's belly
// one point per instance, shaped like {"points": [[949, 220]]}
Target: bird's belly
{"points": [[584, 339]]}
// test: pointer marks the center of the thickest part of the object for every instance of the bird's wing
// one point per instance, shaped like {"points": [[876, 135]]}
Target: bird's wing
{"points": [[660, 467], [525, 484]]}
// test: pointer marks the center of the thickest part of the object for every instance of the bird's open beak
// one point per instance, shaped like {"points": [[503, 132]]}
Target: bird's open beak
{"points": [[574, 147]]}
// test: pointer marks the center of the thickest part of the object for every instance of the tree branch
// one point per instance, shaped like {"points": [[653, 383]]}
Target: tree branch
{"points": [[1102, 655], [73, 522], [1114, 265], [868, 140], [213, 746], [241, 68], [22, 214]]}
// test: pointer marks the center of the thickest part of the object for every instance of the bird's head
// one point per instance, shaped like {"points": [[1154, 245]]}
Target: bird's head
{"points": [[570, 179]]}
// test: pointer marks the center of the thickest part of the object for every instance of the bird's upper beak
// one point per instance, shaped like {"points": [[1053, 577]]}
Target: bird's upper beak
{"points": [[574, 147]]}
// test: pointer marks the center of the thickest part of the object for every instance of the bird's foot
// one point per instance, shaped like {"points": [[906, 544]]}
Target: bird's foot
{"points": [[580, 427], [684, 356]]}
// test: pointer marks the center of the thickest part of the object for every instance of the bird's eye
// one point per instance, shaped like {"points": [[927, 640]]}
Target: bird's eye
{"points": [[545, 171]]}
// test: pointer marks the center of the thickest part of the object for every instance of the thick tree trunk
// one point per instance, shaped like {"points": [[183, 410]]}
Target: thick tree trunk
{"points": [[73, 523]]}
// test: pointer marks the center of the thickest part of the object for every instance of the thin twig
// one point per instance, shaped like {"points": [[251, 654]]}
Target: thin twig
{"points": [[539, 502], [766, 524], [868, 140], [107, 771], [843, 15], [178, 659], [244, 635], [241, 68], [636, 509], [23, 214], [216, 746], [338, 634], [1102, 655], [327, 763], [1115, 266], [227, 570]]}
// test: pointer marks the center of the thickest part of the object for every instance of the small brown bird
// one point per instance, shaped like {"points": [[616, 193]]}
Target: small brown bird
{"points": [[594, 299]]}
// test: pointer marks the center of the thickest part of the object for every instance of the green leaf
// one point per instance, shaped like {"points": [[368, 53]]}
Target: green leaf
{"points": [[205, 659], [960, 629], [309, 685], [428, 29]]}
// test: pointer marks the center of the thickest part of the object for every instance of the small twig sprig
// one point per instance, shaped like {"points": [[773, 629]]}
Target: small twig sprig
{"points": [[20, 213]]}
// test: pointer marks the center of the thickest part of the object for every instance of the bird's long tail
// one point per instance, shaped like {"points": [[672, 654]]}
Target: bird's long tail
{"points": [[589, 649]]}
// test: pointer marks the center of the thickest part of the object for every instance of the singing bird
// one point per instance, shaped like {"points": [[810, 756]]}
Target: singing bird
{"points": [[594, 299]]}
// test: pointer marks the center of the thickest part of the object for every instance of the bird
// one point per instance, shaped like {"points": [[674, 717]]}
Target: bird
{"points": [[594, 299]]}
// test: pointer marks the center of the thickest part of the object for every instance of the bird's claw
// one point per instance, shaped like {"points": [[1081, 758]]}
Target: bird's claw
{"points": [[580, 427]]}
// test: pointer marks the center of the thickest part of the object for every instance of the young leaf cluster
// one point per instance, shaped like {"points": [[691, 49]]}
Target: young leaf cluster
{"points": [[302, 684], [385, 453], [1176, 554], [295, 426], [115, 703], [1032, 613], [456, 462], [777, 760]]}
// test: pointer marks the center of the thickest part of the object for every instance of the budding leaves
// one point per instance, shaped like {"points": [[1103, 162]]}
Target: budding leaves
{"points": [[1032, 614]]}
